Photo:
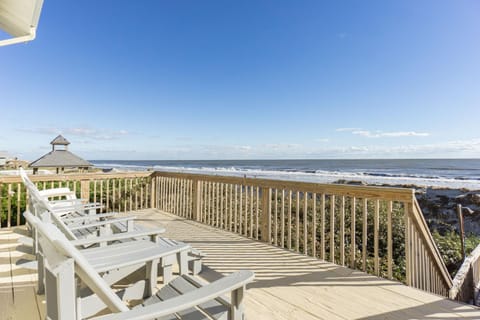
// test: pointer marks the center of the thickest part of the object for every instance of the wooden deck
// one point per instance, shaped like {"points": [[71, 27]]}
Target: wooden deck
{"points": [[287, 285]]}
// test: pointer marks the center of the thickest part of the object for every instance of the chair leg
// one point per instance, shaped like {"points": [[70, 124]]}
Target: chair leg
{"points": [[152, 276], [41, 274], [167, 273], [236, 307], [60, 291], [182, 257]]}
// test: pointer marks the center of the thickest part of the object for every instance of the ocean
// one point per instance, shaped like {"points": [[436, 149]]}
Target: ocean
{"points": [[451, 173]]}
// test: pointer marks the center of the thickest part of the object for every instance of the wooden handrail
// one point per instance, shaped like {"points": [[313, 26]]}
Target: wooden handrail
{"points": [[352, 225], [115, 191], [371, 192], [424, 261], [466, 283], [315, 219], [75, 176]]}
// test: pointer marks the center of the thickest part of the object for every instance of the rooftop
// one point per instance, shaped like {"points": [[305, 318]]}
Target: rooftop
{"points": [[60, 140], [60, 158]]}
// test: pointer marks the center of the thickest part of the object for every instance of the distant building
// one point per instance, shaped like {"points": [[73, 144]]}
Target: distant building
{"points": [[60, 158], [3, 159]]}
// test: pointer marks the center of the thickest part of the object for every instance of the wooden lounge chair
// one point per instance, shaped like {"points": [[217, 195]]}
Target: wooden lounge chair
{"points": [[68, 201], [92, 230], [182, 298], [146, 245], [74, 224], [99, 233]]}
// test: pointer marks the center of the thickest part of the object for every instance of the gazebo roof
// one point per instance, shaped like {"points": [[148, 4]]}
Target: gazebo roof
{"points": [[60, 158], [60, 140]]}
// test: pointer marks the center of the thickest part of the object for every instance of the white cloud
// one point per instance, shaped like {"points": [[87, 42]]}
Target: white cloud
{"points": [[405, 134], [382, 134], [85, 132], [347, 129], [323, 140]]}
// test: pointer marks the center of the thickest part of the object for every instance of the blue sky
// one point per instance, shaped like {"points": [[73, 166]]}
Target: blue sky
{"points": [[246, 80]]}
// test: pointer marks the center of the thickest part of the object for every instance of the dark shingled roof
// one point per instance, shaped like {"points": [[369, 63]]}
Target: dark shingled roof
{"points": [[60, 158], [60, 140]]}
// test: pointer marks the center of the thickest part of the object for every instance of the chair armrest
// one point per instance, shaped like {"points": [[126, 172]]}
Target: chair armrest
{"points": [[57, 192], [64, 209], [90, 217], [101, 223], [118, 236], [190, 299]]}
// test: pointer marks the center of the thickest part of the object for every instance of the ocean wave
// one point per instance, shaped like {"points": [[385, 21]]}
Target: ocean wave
{"points": [[317, 176]]}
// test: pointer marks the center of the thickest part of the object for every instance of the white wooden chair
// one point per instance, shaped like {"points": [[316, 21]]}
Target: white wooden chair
{"points": [[184, 297], [68, 202], [146, 245]]}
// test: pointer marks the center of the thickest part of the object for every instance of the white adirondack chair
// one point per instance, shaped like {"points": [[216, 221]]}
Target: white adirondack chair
{"points": [[146, 245], [68, 203], [182, 297]]}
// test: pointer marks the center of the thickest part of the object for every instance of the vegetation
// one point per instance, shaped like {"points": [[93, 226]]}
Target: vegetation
{"points": [[450, 248]]}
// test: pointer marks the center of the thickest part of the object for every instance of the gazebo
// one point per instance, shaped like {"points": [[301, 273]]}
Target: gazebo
{"points": [[60, 158]]}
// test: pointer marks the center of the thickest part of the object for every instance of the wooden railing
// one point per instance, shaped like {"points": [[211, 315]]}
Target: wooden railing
{"points": [[117, 192], [466, 284], [374, 229]]}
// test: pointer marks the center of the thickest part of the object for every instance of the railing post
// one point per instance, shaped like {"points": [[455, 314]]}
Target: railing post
{"points": [[408, 207], [266, 222], [85, 189], [196, 200]]}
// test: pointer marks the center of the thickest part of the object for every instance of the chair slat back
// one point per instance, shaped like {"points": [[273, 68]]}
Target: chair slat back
{"points": [[58, 246]]}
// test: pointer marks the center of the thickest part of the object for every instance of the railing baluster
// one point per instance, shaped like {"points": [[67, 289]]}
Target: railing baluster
{"points": [[314, 225], [230, 213], [1, 203], [240, 210], [342, 231], [322, 226], [245, 222], [297, 223], [9, 205], [376, 231], [305, 223], [290, 219], [19, 192], [275, 218], [332, 228], [353, 246], [251, 211], [389, 240], [269, 219], [221, 206], [235, 217], [282, 218], [365, 234]]}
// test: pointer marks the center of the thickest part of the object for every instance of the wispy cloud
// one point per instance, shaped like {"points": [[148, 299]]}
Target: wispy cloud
{"points": [[323, 140], [382, 134], [85, 132], [347, 129], [393, 134]]}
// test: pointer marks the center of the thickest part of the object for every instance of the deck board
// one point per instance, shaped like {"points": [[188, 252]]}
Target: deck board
{"points": [[294, 286], [287, 285], [17, 285]]}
